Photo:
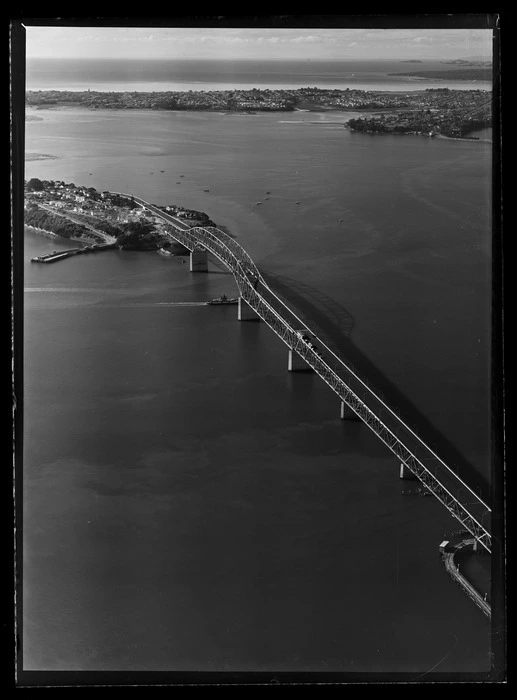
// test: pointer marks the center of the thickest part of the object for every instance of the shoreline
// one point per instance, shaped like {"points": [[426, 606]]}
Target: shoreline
{"points": [[246, 102], [43, 232], [427, 136], [462, 138], [252, 112], [51, 235], [442, 137]]}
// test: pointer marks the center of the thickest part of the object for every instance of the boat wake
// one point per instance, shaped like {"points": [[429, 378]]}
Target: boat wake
{"points": [[154, 304]]}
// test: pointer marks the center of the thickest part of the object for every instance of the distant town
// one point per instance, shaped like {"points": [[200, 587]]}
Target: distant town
{"points": [[436, 112], [84, 214], [439, 111]]}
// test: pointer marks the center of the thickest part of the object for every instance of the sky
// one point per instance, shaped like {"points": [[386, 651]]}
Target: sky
{"points": [[314, 43]]}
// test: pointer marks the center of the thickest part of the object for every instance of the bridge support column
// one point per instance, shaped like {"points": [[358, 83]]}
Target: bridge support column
{"points": [[296, 363], [347, 413], [406, 474], [245, 312], [198, 261]]}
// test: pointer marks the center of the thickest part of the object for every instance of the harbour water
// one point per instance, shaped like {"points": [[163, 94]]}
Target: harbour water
{"points": [[115, 75], [188, 503]]}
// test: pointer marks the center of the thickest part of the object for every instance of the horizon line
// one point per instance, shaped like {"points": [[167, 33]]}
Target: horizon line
{"points": [[250, 58]]}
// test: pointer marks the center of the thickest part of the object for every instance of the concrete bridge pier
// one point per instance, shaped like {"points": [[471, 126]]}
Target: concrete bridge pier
{"points": [[245, 311], [296, 363], [406, 474], [347, 413], [199, 260]]}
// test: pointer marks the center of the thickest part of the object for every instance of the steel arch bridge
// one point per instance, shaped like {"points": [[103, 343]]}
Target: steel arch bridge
{"points": [[459, 499]]}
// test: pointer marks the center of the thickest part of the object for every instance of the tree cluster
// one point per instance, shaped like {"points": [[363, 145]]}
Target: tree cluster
{"points": [[367, 125], [61, 226], [139, 235], [118, 200], [35, 185]]}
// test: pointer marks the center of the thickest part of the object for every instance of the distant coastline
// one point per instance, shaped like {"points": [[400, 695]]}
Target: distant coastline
{"points": [[255, 100], [483, 74]]}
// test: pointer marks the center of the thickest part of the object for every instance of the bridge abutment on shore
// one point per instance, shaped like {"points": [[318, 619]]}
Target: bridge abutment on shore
{"points": [[245, 312], [198, 260], [449, 552]]}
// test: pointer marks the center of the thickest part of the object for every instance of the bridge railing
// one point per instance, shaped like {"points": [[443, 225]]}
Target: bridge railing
{"points": [[339, 363], [228, 251], [290, 336], [242, 255], [390, 439], [237, 250]]}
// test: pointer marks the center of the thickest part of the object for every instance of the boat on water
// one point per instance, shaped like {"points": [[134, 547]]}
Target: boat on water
{"points": [[206, 190], [223, 299]]}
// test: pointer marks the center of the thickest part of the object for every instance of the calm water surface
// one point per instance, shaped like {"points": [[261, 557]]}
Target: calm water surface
{"points": [[188, 503], [161, 74]]}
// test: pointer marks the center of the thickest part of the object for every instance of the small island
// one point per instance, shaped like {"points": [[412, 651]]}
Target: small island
{"points": [[475, 61], [85, 215]]}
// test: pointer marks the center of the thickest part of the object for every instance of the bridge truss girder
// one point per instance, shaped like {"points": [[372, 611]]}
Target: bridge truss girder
{"points": [[245, 272]]}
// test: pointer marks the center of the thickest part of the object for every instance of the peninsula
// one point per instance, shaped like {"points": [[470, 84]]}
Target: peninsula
{"points": [[438, 112], [259, 100], [86, 215]]}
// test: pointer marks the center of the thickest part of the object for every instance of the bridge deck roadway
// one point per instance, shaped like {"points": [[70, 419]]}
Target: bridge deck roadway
{"points": [[441, 472], [466, 506]]}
